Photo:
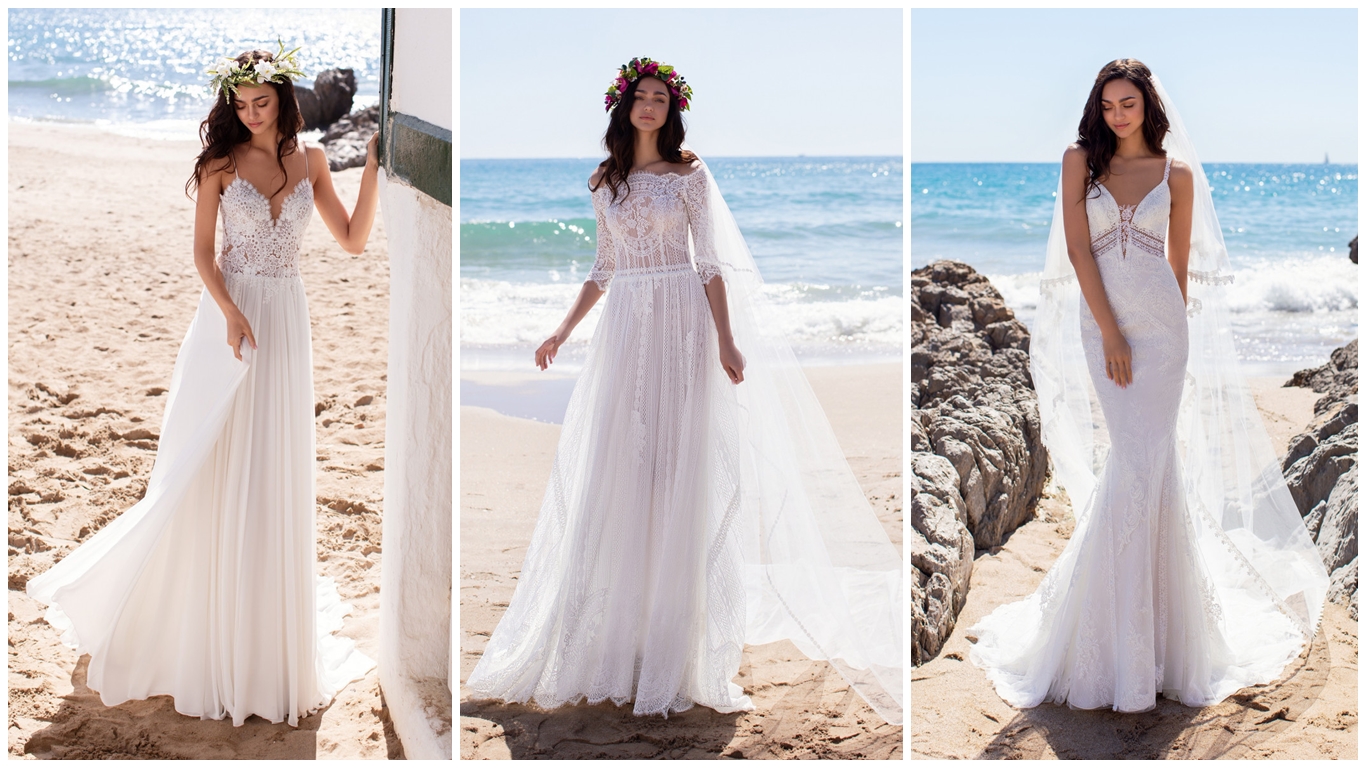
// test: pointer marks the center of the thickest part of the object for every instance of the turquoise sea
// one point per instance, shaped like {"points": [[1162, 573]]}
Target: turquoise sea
{"points": [[826, 234], [1286, 227]]}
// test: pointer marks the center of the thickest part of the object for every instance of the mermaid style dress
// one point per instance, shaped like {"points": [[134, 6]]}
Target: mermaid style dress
{"points": [[1135, 605], [632, 588], [206, 589]]}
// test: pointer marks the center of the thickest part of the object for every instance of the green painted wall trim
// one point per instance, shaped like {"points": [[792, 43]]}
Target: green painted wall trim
{"points": [[419, 153]]}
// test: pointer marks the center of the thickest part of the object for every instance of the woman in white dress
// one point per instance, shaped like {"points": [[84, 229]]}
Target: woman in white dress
{"points": [[1189, 573], [206, 589], [698, 499]]}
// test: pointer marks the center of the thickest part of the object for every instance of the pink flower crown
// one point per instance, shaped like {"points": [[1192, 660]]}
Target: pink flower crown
{"points": [[646, 67]]}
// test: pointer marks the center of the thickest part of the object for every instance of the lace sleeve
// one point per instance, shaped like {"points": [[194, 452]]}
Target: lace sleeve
{"points": [[606, 263], [695, 191]]}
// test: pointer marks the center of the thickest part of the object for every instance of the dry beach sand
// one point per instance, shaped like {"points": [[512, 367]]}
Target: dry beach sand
{"points": [[102, 286], [804, 709], [1309, 713]]}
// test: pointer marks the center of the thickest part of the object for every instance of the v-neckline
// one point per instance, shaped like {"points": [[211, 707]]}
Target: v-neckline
{"points": [[273, 218]]}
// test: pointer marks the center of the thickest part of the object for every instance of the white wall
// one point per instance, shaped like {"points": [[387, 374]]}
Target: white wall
{"points": [[415, 666], [415, 586], [423, 57]]}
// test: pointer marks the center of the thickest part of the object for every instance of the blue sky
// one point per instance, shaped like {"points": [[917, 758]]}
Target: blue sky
{"points": [[994, 85], [765, 82]]}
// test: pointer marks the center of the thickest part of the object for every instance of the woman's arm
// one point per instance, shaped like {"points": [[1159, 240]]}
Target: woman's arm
{"points": [[205, 222], [604, 266], [351, 231], [588, 296], [696, 191], [1181, 182], [1118, 357], [731, 360]]}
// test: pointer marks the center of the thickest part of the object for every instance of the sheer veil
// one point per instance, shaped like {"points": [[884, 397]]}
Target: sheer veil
{"points": [[1234, 488], [819, 569]]}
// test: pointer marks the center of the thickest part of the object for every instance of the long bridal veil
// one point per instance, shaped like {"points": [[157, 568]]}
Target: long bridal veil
{"points": [[819, 569], [1245, 518]]}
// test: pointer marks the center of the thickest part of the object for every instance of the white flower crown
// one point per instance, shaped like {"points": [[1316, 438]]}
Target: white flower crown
{"points": [[229, 73]]}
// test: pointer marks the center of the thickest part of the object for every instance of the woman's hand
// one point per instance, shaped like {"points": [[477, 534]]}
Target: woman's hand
{"points": [[239, 328], [372, 151], [1118, 360], [545, 355], [733, 362]]}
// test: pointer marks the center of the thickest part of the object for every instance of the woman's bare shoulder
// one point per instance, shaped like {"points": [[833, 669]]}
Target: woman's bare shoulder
{"points": [[596, 178]]}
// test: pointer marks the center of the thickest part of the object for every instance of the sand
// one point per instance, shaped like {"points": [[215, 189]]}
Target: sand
{"points": [[102, 287], [1310, 713], [804, 709]]}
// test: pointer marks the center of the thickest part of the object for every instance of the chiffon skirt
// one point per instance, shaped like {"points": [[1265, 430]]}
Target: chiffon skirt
{"points": [[632, 588], [206, 589]]}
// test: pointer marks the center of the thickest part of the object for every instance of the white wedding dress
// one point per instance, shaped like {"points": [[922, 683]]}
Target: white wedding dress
{"points": [[206, 589], [631, 589], [1135, 605]]}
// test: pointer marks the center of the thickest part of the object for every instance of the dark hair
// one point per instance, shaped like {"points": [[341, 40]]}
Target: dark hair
{"points": [[1098, 140], [221, 131], [620, 140]]}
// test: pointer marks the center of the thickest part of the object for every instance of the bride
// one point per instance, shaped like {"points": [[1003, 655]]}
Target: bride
{"points": [[206, 589], [1189, 573], [698, 499]]}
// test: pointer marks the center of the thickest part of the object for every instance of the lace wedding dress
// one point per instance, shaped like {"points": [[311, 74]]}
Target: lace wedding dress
{"points": [[631, 589], [206, 589], [686, 516], [1135, 605]]}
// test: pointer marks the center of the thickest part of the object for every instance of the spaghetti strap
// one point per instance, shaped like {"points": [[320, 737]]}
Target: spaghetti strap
{"points": [[1167, 171], [306, 175]]}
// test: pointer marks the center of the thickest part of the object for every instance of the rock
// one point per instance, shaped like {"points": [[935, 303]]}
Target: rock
{"points": [[1352, 254], [978, 465], [344, 141], [1336, 379], [328, 100], [1321, 470], [941, 553]]}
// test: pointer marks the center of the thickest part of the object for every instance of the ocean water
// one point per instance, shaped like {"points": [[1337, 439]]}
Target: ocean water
{"points": [[141, 71], [1286, 227], [826, 234]]}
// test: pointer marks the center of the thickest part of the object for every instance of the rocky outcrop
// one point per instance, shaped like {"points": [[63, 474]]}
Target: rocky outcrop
{"points": [[344, 141], [1321, 470], [978, 464], [328, 100]]}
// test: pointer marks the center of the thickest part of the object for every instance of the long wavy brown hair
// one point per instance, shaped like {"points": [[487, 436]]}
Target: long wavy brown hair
{"points": [[1098, 139], [620, 141], [222, 131]]}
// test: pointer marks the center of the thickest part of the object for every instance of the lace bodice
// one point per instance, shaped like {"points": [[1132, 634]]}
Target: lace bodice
{"points": [[647, 230], [1122, 227], [257, 244]]}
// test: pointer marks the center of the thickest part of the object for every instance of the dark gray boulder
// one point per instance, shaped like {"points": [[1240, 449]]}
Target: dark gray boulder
{"points": [[1321, 469], [978, 465], [328, 100], [345, 139]]}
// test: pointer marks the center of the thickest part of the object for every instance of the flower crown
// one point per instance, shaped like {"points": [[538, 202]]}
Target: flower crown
{"points": [[646, 67], [229, 74]]}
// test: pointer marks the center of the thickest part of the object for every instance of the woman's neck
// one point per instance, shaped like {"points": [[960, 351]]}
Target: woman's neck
{"points": [[1132, 146], [647, 149], [266, 141]]}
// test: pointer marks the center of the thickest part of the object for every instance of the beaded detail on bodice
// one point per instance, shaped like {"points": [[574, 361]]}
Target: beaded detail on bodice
{"points": [[646, 231], [1122, 227], [254, 242]]}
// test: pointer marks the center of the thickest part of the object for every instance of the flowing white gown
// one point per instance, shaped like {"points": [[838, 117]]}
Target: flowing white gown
{"points": [[1135, 605], [631, 589], [206, 589]]}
